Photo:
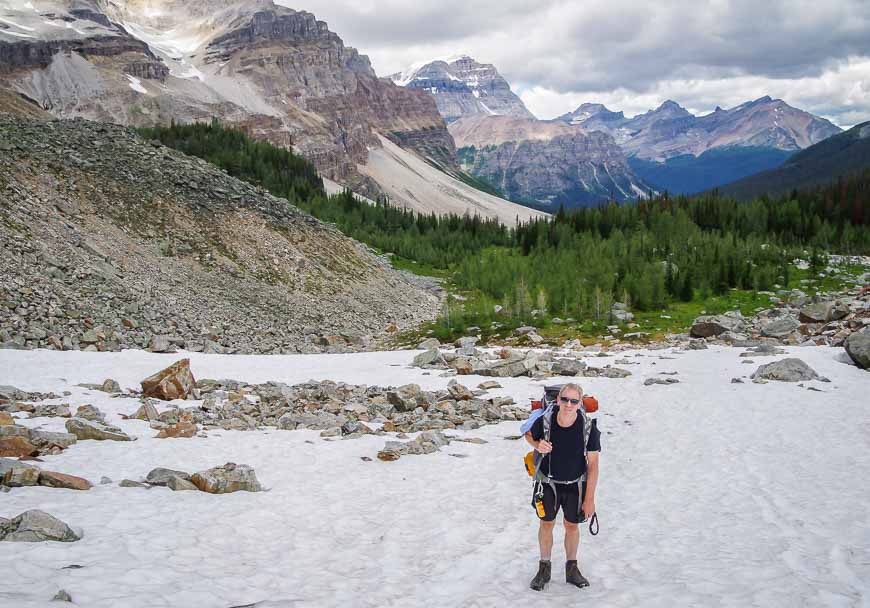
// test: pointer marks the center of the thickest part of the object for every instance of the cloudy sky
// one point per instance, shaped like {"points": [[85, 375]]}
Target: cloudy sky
{"points": [[631, 55]]}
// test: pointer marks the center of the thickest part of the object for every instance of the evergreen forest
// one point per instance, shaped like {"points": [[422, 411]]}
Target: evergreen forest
{"points": [[648, 255]]}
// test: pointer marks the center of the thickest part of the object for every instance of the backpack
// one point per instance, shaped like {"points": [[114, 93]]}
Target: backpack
{"points": [[534, 458]]}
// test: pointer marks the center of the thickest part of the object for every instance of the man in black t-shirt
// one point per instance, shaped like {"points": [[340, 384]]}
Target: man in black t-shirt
{"points": [[561, 469]]}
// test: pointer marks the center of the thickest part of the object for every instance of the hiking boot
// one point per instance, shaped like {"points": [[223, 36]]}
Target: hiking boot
{"points": [[573, 576], [542, 577]]}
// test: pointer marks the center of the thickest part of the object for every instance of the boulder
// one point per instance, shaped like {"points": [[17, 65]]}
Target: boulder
{"points": [[15, 474], [129, 483], [459, 392], [228, 478], [174, 382], [17, 447], [429, 344], [568, 367], [89, 412], [651, 381], [51, 411], [427, 358], [463, 366], [181, 429], [858, 347], [110, 386], [466, 342], [6, 419], [177, 484], [505, 369], [488, 385], [61, 480], [823, 312], [146, 412], [786, 370], [780, 328], [88, 429], [36, 526], [161, 344], [713, 325], [161, 476], [45, 440]]}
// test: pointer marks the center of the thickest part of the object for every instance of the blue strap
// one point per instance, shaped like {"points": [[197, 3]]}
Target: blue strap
{"points": [[533, 417]]}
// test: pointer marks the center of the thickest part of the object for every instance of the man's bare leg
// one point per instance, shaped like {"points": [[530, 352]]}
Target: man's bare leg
{"points": [[545, 540], [572, 540]]}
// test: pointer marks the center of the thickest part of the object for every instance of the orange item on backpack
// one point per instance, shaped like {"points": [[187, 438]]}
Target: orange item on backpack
{"points": [[590, 404]]}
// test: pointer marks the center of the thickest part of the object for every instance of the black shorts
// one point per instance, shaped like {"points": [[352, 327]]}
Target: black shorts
{"points": [[568, 497]]}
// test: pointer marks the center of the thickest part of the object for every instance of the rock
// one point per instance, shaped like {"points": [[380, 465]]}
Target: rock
{"points": [[16, 474], [60, 480], [488, 385], [88, 429], [709, 326], [427, 358], [178, 484], [89, 412], [780, 328], [505, 369], [105, 480], [429, 344], [61, 596], [462, 366], [52, 411], [333, 432], [568, 367], [6, 419], [45, 440], [182, 429], [614, 372], [736, 381], [466, 342], [129, 483], [227, 478], [534, 338], [459, 392], [651, 381], [146, 412], [36, 526], [161, 344], [110, 386], [858, 348], [17, 447], [161, 476], [174, 382], [526, 329], [786, 370]]}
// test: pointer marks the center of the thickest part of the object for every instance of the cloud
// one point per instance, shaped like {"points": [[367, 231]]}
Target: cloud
{"points": [[631, 55]]}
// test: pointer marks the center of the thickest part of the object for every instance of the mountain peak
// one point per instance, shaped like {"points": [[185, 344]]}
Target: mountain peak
{"points": [[672, 107], [462, 86]]}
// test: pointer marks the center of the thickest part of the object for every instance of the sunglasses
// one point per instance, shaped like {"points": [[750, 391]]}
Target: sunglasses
{"points": [[571, 401]]}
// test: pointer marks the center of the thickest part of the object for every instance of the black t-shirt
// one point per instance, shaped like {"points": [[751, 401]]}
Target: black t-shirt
{"points": [[566, 461]]}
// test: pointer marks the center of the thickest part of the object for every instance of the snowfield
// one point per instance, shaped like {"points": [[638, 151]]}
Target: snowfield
{"points": [[711, 494]]}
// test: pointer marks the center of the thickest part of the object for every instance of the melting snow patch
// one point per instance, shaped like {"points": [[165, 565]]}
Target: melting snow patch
{"points": [[136, 84], [12, 23]]}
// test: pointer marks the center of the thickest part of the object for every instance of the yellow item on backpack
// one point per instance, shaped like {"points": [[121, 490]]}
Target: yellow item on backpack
{"points": [[529, 461]]}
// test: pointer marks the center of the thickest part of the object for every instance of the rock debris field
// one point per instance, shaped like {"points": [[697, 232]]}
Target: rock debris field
{"points": [[362, 479]]}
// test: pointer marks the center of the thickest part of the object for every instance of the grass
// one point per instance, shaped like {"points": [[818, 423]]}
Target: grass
{"points": [[677, 317]]}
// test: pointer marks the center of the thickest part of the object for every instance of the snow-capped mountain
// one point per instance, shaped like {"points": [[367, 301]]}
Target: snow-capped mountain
{"points": [[677, 151], [462, 86], [671, 130]]}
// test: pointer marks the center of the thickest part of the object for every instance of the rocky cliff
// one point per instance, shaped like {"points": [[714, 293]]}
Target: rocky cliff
{"points": [[277, 72], [107, 241], [462, 87], [546, 163]]}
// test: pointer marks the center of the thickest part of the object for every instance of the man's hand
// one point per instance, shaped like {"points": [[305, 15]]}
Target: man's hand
{"points": [[588, 507], [544, 446]]}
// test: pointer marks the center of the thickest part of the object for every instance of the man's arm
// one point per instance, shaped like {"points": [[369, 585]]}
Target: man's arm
{"points": [[544, 447], [591, 483]]}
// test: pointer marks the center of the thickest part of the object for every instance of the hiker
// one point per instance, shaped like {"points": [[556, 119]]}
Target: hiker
{"points": [[565, 479]]}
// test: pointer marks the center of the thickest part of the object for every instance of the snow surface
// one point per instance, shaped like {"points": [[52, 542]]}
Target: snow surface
{"points": [[136, 84], [711, 494]]}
